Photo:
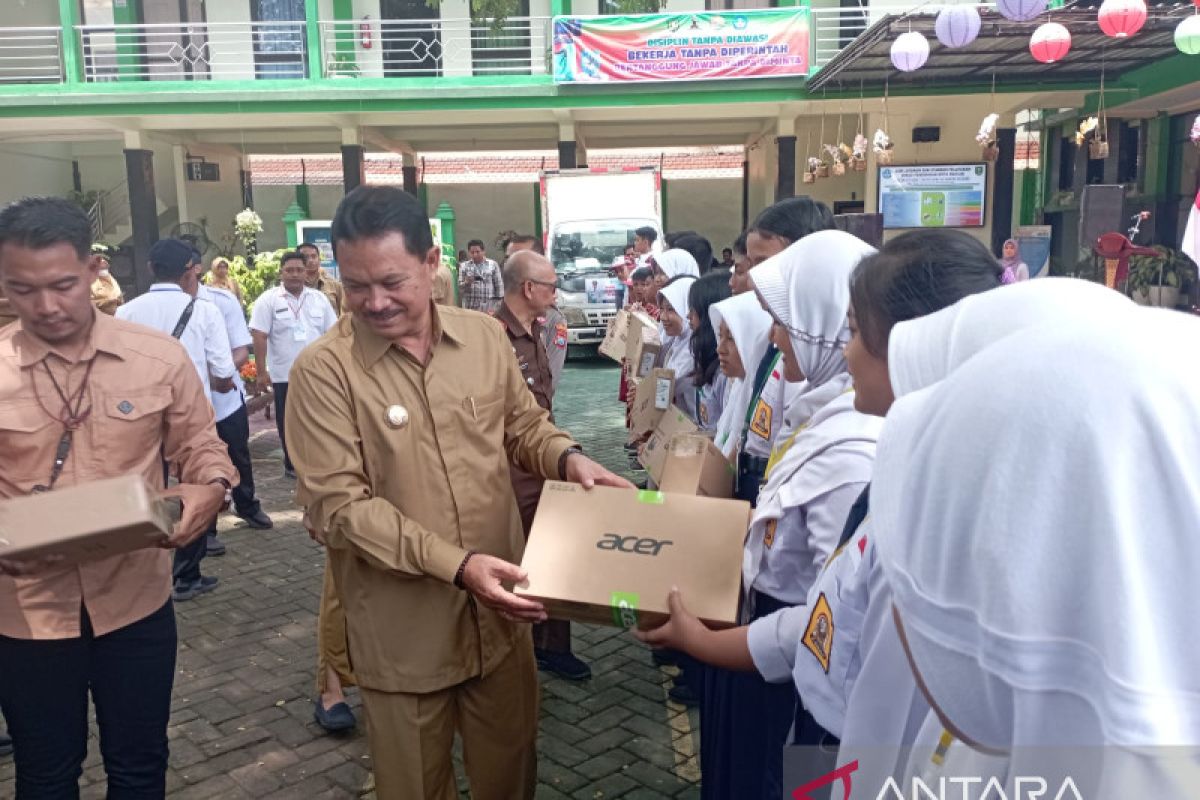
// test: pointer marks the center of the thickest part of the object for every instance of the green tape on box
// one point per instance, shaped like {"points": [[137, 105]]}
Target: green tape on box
{"points": [[624, 608], [650, 496]]}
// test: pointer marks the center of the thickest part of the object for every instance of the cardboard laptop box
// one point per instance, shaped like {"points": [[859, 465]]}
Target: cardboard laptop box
{"points": [[610, 556], [653, 454], [85, 522], [615, 344], [695, 465], [651, 399], [642, 344]]}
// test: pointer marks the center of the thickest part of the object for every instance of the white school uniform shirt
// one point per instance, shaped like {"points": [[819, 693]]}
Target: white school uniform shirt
{"points": [[225, 404], [204, 338], [291, 324], [710, 402]]}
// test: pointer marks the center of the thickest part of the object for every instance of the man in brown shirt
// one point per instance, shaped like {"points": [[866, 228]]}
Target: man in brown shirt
{"points": [[406, 415], [553, 323], [529, 283], [131, 398], [315, 277]]}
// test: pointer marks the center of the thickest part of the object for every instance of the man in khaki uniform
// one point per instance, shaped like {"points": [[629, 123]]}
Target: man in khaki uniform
{"points": [[553, 323], [404, 418], [106, 292], [315, 277]]}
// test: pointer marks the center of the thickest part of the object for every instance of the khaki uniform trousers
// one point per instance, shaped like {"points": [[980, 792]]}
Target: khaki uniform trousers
{"points": [[411, 735], [331, 636]]}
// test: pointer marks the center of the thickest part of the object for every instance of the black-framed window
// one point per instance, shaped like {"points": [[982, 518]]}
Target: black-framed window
{"points": [[279, 51]]}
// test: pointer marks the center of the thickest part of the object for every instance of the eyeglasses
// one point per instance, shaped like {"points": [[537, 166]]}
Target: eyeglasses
{"points": [[550, 284]]}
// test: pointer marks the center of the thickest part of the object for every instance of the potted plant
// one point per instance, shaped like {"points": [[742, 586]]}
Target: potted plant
{"points": [[1095, 135], [836, 165], [810, 174], [1156, 280], [858, 153], [883, 147], [987, 138]]}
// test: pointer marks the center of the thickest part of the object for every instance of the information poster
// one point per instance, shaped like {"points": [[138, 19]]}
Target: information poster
{"points": [[934, 196], [318, 232], [682, 47], [1033, 244]]}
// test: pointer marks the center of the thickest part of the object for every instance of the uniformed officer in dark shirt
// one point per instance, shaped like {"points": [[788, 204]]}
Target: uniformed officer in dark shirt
{"points": [[529, 284]]}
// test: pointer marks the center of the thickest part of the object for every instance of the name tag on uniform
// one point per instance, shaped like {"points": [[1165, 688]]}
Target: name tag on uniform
{"points": [[299, 334]]}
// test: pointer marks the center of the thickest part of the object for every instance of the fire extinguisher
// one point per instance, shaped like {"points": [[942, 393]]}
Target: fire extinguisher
{"points": [[364, 33]]}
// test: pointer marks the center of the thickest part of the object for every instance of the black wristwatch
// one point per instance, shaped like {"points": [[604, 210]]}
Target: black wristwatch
{"points": [[228, 491], [562, 460]]}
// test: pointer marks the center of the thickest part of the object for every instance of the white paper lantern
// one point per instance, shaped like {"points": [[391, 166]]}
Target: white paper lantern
{"points": [[910, 51], [1021, 10], [957, 26]]}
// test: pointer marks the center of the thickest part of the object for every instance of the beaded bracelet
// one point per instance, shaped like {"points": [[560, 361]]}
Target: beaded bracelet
{"points": [[458, 576]]}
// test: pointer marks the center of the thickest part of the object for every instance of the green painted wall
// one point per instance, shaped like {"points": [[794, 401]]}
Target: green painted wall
{"points": [[129, 60]]}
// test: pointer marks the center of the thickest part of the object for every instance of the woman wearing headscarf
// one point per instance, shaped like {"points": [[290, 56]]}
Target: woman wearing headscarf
{"points": [[220, 278], [671, 264], [801, 509], [743, 336], [1012, 268], [1086, 640], [710, 382], [676, 354]]}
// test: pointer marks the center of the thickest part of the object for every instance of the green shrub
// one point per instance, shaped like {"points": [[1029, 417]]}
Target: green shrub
{"points": [[254, 281]]}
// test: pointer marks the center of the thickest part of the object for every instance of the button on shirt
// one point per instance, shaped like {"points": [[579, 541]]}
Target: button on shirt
{"points": [[532, 358], [146, 404], [291, 324], [227, 403], [204, 338], [402, 504], [484, 292]]}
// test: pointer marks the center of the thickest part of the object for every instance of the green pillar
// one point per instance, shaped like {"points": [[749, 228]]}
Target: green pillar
{"points": [[560, 8], [129, 61], [312, 35], [664, 205], [68, 18], [423, 197], [344, 35], [1029, 186], [445, 213], [302, 200], [1157, 182], [537, 211], [293, 215]]}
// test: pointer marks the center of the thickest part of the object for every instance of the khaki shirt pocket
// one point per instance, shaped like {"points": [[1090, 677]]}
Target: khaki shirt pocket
{"points": [[28, 438], [130, 424]]}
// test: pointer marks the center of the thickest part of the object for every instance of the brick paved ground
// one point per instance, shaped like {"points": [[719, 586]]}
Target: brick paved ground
{"points": [[241, 723]]}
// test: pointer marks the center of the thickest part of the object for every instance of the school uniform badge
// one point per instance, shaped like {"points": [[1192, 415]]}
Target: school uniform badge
{"points": [[818, 636], [560, 335], [760, 423], [769, 534]]}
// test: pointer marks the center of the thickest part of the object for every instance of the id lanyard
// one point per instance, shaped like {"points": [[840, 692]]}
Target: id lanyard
{"points": [[298, 333]]}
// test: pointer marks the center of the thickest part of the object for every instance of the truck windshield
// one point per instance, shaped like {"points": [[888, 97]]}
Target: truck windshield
{"points": [[579, 248]]}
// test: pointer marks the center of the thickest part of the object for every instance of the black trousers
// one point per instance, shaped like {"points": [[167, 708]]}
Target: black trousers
{"points": [[44, 686], [280, 392], [234, 431]]}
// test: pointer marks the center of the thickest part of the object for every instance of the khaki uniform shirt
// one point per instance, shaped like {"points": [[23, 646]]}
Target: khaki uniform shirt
{"points": [[7, 314], [401, 506], [106, 294], [145, 397], [443, 286], [333, 291]]}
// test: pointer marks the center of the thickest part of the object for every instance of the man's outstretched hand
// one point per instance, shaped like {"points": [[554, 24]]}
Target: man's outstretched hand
{"points": [[582, 470]]}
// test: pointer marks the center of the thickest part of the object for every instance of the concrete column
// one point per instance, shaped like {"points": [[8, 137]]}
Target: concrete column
{"points": [[1003, 187], [456, 38], [314, 65], [566, 155], [72, 55], [353, 166], [785, 174], [179, 163], [409, 171], [143, 212]]}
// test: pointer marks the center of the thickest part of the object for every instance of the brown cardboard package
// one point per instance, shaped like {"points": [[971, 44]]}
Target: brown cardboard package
{"points": [[651, 399], [653, 454], [694, 465], [610, 556], [84, 522], [615, 345], [643, 344]]}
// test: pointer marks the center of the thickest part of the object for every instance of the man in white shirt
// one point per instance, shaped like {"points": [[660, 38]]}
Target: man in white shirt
{"points": [[284, 321], [233, 423], [171, 306], [480, 286]]}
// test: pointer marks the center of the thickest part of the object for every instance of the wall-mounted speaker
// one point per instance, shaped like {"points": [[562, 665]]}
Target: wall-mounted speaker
{"points": [[929, 133]]}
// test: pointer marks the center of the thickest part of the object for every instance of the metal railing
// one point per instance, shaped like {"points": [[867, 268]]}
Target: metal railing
{"points": [[110, 210], [430, 48], [834, 28], [193, 51], [31, 55]]}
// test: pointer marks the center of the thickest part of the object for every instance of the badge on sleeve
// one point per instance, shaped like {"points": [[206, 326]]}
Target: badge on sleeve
{"points": [[769, 534], [818, 636], [560, 335], [760, 423]]}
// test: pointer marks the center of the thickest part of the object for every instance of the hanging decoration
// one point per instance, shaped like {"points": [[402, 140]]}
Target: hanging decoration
{"points": [[841, 152], [822, 166], [1121, 19], [1021, 10], [1050, 43], [858, 153], [882, 144], [1195, 134], [1098, 145], [910, 51], [987, 137], [1187, 35], [813, 163], [957, 26]]}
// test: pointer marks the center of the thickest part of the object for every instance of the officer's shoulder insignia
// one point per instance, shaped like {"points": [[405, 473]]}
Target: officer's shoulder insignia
{"points": [[560, 335], [760, 423], [818, 636]]}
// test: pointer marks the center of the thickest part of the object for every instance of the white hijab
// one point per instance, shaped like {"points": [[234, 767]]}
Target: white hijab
{"points": [[815, 273], [675, 263], [1043, 562], [925, 350], [750, 328], [678, 348]]}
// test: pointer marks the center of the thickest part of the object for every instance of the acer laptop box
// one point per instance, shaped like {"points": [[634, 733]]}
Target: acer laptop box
{"points": [[610, 556]]}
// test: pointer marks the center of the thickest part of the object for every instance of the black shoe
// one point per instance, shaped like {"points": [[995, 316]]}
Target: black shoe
{"points": [[664, 658], [214, 546], [258, 520], [182, 592], [684, 695], [564, 665], [6, 747], [206, 584], [288, 472], [337, 717]]}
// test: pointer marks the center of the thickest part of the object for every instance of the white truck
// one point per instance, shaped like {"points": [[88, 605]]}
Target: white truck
{"points": [[588, 218]]}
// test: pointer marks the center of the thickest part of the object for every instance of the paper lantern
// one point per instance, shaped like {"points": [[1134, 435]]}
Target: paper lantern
{"points": [[957, 26], [1121, 19], [910, 51], [1021, 10], [1050, 42], [1187, 35]]}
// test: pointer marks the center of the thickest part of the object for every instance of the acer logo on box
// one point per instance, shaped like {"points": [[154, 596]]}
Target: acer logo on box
{"points": [[644, 546]]}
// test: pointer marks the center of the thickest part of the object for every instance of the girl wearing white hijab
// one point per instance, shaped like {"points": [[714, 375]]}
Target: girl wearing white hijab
{"points": [[675, 263], [677, 351], [743, 336], [801, 509], [1088, 638]]}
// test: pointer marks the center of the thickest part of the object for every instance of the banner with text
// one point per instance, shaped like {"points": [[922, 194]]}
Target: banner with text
{"points": [[689, 47]]}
